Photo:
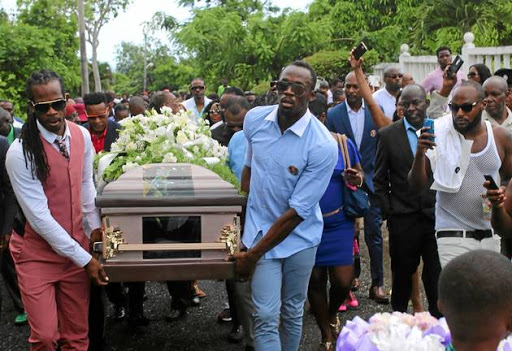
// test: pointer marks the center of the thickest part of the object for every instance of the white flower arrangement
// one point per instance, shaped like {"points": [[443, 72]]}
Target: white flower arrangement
{"points": [[163, 138], [399, 332]]}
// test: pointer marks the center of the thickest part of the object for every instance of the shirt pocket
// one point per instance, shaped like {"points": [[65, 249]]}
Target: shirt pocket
{"points": [[284, 173]]}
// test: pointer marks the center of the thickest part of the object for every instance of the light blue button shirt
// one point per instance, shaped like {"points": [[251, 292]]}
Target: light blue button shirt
{"points": [[411, 135], [288, 170], [237, 149], [357, 123]]}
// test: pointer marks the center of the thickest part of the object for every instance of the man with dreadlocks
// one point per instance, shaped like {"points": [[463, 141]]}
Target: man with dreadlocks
{"points": [[50, 168]]}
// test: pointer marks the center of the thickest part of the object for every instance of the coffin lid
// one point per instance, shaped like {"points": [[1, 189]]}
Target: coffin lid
{"points": [[168, 184]]}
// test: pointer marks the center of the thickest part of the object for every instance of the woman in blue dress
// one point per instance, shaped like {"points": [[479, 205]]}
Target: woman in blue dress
{"points": [[334, 258]]}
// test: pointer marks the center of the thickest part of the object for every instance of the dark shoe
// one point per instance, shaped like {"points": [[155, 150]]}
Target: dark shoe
{"points": [[236, 335], [176, 315], [224, 316], [138, 320], [377, 294], [119, 313]]}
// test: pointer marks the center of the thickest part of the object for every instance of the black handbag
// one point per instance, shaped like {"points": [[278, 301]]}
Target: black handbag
{"points": [[355, 202]]}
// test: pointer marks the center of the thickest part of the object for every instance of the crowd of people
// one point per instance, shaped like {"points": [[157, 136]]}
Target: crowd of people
{"points": [[300, 151]]}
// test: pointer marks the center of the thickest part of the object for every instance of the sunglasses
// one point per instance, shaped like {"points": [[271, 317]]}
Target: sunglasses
{"points": [[297, 89], [195, 87], [234, 125], [464, 107], [219, 111], [472, 74], [101, 115], [43, 107], [395, 76]]}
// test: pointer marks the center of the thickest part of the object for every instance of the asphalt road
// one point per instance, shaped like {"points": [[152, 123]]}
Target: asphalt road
{"points": [[199, 331]]}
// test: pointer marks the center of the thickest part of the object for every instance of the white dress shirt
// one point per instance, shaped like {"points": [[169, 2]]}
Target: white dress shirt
{"points": [[190, 105], [386, 101], [33, 201], [357, 123]]}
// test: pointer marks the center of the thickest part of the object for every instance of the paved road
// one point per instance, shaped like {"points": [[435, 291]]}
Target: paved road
{"points": [[199, 331]]}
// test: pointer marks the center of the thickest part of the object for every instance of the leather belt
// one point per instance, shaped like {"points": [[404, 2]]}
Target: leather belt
{"points": [[332, 213], [471, 234]]}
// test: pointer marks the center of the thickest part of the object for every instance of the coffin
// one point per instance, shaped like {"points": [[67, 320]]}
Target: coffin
{"points": [[169, 222]]}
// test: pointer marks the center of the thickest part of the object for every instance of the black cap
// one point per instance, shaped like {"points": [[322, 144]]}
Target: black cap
{"points": [[505, 73]]}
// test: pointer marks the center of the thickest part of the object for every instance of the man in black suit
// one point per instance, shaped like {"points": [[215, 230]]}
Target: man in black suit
{"points": [[410, 214], [6, 128], [8, 209], [103, 131]]}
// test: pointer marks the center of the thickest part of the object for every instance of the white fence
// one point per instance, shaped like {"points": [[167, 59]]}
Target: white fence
{"points": [[420, 66]]}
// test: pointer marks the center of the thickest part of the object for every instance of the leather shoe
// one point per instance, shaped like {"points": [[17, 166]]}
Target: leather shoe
{"points": [[377, 294], [137, 320], [176, 315]]}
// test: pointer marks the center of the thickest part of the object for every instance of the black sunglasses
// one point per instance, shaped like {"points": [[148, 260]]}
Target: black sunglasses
{"points": [[472, 74], [43, 107], [297, 89], [464, 107], [200, 87]]}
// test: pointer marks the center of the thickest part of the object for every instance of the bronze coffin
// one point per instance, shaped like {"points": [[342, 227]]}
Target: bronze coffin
{"points": [[169, 222]]}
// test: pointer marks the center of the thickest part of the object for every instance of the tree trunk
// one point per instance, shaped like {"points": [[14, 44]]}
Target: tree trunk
{"points": [[95, 67], [83, 53]]}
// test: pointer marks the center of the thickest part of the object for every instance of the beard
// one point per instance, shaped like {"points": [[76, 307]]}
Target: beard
{"points": [[470, 126]]}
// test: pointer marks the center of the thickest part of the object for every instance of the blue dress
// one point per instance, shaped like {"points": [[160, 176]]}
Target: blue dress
{"points": [[336, 246]]}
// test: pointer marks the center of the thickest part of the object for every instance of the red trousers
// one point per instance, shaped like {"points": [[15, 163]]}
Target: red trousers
{"points": [[55, 293]]}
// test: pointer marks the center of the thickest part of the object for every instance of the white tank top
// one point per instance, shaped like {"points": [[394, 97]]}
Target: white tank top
{"points": [[463, 209]]}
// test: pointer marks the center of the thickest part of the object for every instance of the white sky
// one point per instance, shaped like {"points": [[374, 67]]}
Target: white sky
{"points": [[127, 26]]}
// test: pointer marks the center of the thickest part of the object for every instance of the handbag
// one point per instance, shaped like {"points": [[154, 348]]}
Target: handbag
{"points": [[355, 202]]}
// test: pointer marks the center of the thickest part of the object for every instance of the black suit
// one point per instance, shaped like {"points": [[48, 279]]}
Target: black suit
{"points": [[8, 209], [112, 133], [410, 217]]}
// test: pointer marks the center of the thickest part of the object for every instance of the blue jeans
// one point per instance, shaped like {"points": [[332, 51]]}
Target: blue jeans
{"points": [[279, 289], [373, 240]]}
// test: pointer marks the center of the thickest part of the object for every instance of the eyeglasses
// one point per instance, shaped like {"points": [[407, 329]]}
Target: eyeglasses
{"points": [[218, 111], [196, 87], [472, 74], [297, 89], [44, 106], [100, 115], [394, 76], [464, 107]]}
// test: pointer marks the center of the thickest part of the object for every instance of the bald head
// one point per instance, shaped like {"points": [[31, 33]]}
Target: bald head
{"points": [[137, 105], [498, 82]]}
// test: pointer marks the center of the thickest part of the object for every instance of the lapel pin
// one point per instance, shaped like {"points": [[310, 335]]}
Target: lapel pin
{"points": [[293, 170], [373, 133]]}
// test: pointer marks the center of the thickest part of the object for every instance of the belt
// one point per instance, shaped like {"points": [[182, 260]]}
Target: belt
{"points": [[471, 234], [332, 213]]}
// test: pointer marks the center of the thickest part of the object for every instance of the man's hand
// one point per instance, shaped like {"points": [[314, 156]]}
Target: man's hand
{"points": [[96, 235], [448, 82], [245, 264], [96, 272], [424, 141], [353, 62], [495, 196], [4, 241]]}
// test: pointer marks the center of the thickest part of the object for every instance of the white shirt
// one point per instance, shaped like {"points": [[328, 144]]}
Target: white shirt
{"points": [[357, 123], [386, 101], [190, 105], [33, 201]]}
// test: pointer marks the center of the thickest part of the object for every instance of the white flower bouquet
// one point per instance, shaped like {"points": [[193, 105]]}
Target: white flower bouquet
{"points": [[163, 138], [399, 332]]}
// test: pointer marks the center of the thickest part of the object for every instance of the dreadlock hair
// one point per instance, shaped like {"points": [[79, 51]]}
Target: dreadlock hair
{"points": [[32, 145]]}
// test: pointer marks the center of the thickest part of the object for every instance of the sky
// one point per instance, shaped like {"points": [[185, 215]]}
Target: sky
{"points": [[127, 26]]}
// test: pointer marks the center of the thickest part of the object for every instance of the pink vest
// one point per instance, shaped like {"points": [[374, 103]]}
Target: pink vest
{"points": [[63, 189]]}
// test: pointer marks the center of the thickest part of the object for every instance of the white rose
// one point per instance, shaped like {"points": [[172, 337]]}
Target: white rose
{"points": [[169, 158], [181, 138], [130, 165]]}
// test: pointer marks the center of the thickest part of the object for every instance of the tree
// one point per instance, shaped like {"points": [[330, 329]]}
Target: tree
{"points": [[98, 13]]}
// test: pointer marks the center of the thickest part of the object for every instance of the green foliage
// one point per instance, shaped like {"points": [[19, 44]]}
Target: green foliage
{"points": [[43, 36], [332, 64]]}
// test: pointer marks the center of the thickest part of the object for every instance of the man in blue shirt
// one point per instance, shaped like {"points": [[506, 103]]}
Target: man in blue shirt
{"points": [[410, 213], [289, 162]]}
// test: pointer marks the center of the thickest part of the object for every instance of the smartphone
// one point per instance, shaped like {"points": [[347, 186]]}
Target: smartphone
{"points": [[489, 178], [359, 51], [429, 123], [455, 66]]}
